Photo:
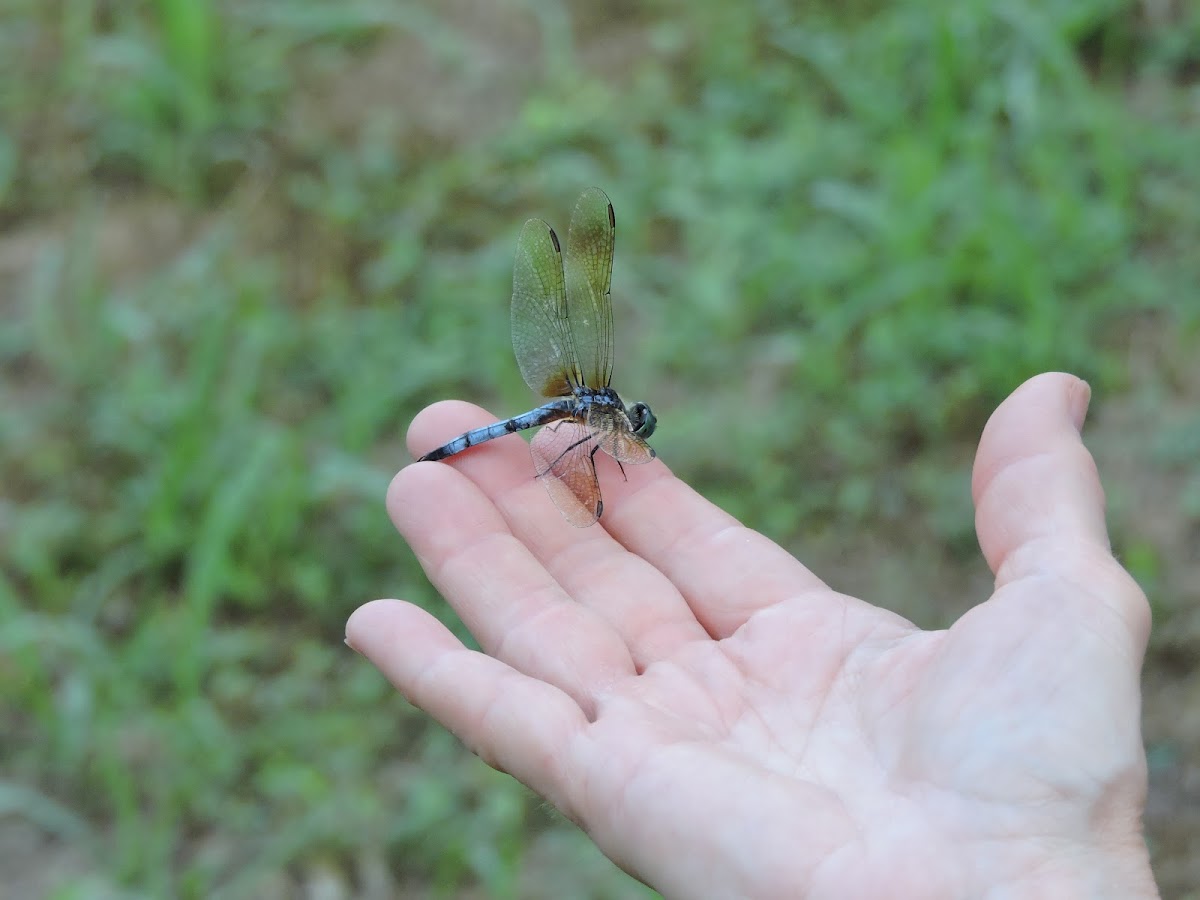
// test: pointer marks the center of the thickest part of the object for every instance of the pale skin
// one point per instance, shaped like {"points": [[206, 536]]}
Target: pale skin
{"points": [[724, 724]]}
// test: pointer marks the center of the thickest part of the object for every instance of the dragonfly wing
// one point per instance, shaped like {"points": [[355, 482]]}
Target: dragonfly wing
{"points": [[540, 332], [613, 431], [589, 281], [562, 457]]}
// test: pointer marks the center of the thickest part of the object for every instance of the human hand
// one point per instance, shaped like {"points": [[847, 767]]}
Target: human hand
{"points": [[723, 724]]}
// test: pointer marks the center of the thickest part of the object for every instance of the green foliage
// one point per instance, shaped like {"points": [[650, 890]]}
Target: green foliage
{"points": [[251, 240]]}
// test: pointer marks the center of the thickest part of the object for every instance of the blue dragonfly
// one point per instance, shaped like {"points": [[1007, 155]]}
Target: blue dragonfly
{"points": [[562, 333]]}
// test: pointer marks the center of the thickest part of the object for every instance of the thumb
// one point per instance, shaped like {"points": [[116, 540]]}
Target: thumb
{"points": [[1039, 506]]}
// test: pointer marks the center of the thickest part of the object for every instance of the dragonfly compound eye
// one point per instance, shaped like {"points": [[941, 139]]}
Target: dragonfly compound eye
{"points": [[642, 420]]}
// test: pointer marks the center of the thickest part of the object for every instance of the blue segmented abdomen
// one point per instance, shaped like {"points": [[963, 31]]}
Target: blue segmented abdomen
{"points": [[558, 409]]}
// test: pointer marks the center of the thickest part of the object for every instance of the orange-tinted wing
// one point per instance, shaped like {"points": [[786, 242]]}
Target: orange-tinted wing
{"points": [[562, 458]]}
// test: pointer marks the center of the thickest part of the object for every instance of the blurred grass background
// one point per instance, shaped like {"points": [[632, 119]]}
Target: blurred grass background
{"points": [[242, 243]]}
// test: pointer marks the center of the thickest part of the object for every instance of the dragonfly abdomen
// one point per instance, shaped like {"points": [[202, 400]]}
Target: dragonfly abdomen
{"points": [[558, 409]]}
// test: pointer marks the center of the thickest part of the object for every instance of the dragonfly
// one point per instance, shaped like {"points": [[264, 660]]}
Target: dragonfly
{"points": [[562, 333]]}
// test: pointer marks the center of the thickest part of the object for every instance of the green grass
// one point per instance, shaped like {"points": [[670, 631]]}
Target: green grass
{"points": [[244, 243]]}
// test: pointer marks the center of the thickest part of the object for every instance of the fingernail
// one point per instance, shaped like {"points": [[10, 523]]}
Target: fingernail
{"points": [[1079, 398], [346, 641]]}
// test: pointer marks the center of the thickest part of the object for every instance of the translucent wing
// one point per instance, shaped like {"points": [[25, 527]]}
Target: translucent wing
{"points": [[589, 281], [540, 333], [612, 430], [562, 457]]}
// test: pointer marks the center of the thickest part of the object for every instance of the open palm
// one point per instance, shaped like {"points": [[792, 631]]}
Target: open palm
{"points": [[723, 724]]}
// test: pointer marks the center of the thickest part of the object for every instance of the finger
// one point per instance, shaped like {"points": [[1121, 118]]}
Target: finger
{"points": [[627, 593], [502, 464], [512, 722], [1035, 484], [725, 571], [504, 596], [1039, 505]]}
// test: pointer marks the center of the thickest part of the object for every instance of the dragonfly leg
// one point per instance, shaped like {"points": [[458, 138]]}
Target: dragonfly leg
{"points": [[617, 461]]}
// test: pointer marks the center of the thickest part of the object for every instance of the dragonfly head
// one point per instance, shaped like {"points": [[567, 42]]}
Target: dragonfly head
{"points": [[641, 419]]}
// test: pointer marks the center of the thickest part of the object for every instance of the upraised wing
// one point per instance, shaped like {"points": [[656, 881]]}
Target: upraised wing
{"points": [[589, 282], [540, 332]]}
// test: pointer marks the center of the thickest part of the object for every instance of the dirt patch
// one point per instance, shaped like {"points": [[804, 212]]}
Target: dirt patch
{"points": [[1139, 440]]}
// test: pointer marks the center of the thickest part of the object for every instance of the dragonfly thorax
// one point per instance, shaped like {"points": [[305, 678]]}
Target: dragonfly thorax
{"points": [[641, 420]]}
